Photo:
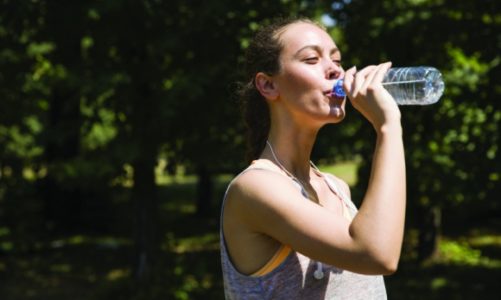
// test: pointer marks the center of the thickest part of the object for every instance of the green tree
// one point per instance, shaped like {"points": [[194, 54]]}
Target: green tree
{"points": [[212, 38], [451, 147], [102, 84]]}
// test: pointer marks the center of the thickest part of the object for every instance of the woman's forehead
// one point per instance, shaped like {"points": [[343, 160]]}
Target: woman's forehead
{"points": [[300, 35]]}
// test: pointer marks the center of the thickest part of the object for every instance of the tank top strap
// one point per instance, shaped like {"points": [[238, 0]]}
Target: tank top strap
{"points": [[276, 260], [265, 165], [334, 187], [339, 192]]}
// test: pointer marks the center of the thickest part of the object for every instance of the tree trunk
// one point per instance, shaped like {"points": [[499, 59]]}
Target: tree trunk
{"points": [[429, 233], [63, 200], [62, 203], [145, 203], [205, 187], [144, 193]]}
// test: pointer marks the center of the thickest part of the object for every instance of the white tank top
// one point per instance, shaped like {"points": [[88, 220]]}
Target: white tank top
{"points": [[293, 278]]}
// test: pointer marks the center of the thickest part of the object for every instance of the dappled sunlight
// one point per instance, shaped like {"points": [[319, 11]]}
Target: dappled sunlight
{"points": [[117, 274], [109, 242], [485, 240], [65, 266], [60, 268], [439, 282], [209, 241], [188, 267], [462, 253]]}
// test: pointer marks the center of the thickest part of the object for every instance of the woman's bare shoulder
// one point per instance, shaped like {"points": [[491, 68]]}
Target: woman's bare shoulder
{"points": [[255, 183], [257, 194]]}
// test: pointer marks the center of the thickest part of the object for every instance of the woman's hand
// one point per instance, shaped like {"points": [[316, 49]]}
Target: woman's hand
{"points": [[367, 95]]}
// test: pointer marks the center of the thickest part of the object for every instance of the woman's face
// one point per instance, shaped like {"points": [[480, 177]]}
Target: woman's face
{"points": [[310, 65]]}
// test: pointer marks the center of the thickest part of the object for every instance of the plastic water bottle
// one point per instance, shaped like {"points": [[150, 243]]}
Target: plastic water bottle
{"points": [[408, 86]]}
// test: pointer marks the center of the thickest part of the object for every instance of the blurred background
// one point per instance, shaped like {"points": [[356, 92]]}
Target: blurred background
{"points": [[120, 128]]}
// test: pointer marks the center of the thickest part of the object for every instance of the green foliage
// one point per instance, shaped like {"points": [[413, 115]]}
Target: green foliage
{"points": [[467, 253], [103, 132], [452, 146], [21, 143], [454, 252]]}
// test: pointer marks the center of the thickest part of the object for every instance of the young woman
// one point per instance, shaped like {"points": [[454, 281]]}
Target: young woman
{"points": [[289, 231]]}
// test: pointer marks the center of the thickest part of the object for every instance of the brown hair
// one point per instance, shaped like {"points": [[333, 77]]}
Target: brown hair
{"points": [[262, 55]]}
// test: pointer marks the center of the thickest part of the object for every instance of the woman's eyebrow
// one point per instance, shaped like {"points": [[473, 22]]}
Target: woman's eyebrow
{"points": [[317, 48]]}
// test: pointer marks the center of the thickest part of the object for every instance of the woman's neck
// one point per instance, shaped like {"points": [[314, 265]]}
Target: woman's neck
{"points": [[291, 150]]}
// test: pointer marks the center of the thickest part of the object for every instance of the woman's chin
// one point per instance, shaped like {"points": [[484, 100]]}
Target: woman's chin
{"points": [[337, 113]]}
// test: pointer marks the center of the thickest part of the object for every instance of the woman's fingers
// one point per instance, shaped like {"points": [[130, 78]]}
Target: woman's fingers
{"points": [[359, 83], [369, 79], [348, 79], [360, 78], [381, 71], [374, 78]]}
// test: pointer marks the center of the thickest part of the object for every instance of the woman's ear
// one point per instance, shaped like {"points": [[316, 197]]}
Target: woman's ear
{"points": [[266, 86]]}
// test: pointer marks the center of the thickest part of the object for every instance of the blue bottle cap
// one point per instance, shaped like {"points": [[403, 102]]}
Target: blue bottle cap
{"points": [[337, 90]]}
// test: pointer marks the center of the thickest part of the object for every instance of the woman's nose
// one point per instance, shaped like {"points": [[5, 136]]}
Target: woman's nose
{"points": [[334, 71]]}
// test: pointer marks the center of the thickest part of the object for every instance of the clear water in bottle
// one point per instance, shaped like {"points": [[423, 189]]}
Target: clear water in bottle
{"points": [[409, 85]]}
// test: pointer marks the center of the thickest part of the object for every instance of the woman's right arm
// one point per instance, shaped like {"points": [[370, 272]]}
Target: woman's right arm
{"points": [[381, 217], [267, 203]]}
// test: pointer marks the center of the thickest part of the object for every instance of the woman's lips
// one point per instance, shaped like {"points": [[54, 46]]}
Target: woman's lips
{"points": [[332, 96]]}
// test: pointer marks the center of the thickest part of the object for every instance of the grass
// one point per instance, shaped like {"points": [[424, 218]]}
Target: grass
{"points": [[344, 170], [98, 266]]}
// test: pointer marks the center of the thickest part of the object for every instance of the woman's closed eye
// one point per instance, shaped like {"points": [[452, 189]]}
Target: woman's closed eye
{"points": [[337, 62], [311, 59]]}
